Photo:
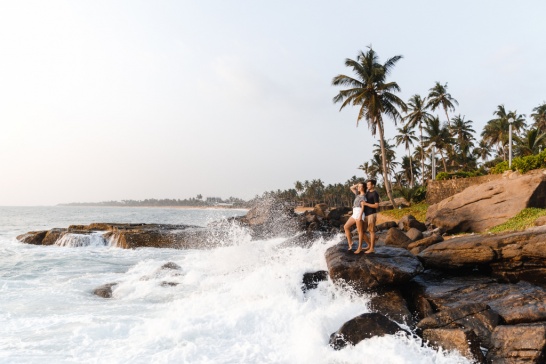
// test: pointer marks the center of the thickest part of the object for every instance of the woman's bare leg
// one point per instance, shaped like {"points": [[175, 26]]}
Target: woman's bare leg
{"points": [[361, 236], [348, 225]]}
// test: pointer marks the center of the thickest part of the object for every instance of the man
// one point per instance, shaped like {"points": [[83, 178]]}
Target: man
{"points": [[370, 209]]}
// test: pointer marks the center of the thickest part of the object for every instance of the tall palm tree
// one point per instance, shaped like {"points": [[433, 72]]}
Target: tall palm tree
{"points": [[406, 136], [438, 96], [440, 135], [539, 115], [418, 115], [462, 132], [375, 97]]}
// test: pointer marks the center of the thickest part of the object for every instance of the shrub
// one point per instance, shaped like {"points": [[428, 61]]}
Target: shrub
{"points": [[522, 164]]}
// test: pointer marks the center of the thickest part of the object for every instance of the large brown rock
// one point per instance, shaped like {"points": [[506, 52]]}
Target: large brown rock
{"points": [[518, 344], [513, 256], [128, 236], [409, 221], [388, 266], [483, 206], [515, 303]]}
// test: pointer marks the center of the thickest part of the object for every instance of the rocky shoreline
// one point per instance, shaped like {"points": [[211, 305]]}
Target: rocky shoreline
{"points": [[483, 295]]}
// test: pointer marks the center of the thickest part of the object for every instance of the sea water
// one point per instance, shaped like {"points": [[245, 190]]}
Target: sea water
{"points": [[240, 302]]}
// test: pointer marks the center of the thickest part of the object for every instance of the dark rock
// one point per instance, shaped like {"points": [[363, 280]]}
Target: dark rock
{"points": [[414, 234], [515, 303], [418, 246], [386, 225], [396, 237], [363, 327], [169, 284], [311, 280], [513, 256], [408, 222], [518, 344], [105, 290], [32, 237], [387, 266], [392, 304], [477, 317], [463, 341], [171, 265], [338, 216]]}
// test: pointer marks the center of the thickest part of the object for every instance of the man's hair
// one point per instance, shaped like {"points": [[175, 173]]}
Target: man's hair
{"points": [[373, 181]]}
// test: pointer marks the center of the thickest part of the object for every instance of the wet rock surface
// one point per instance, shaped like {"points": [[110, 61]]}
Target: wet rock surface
{"points": [[386, 267], [363, 327]]}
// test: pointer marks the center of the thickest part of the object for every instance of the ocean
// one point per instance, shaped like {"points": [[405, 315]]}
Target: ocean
{"points": [[240, 302]]}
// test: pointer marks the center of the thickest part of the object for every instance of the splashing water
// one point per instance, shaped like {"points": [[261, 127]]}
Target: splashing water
{"points": [[79, 240], [241, 302]]}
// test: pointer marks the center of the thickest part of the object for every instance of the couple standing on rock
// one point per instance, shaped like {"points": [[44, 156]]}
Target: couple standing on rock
{"points": [[364, 215]]}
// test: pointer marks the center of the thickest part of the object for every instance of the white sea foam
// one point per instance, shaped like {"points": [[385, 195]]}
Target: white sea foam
{"points": [[79, 240], [239, 303]]}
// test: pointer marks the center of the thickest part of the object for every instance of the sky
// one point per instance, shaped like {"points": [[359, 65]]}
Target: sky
{"points": [[116, 100]]}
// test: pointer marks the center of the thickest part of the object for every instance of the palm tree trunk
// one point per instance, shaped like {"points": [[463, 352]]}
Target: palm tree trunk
{"points": [[410, 168], [388, 188], [422, 156], [448, 122], [443, 160]]}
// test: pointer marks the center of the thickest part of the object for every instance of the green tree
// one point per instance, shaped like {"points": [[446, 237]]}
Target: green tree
{"points": [[438, 96], [440, 135], [417, 116], [539, 116], [495, 132], [375, 97], [406, 136], [531, 143]]}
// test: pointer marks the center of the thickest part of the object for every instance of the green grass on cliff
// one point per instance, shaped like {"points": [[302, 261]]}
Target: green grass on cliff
{"points": [[418, 211], [521, 221]]}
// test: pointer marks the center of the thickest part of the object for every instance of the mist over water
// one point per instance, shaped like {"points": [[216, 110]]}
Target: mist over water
{"points": [[238, 303]]}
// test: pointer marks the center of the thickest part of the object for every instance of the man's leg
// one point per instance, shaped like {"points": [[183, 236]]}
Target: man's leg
{"points": [[371, 228]]}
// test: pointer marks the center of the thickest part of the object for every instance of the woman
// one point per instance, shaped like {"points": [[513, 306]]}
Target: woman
{"points": [[358, 216]]}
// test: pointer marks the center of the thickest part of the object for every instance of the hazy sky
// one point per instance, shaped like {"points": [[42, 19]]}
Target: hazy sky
{"points": [[112, 100]]}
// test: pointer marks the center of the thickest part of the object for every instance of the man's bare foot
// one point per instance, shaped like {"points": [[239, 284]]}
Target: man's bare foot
{"points": [[358, 251], [369, 251]]}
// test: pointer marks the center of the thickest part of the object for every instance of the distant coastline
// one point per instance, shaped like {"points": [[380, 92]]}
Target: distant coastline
{"points": [[199, 202]]}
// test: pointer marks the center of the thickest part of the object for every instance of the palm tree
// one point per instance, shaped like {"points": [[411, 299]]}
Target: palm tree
{"points": [[440, 135], [417, 115], [462, 132], [438, 96], [482, 151], [539, 115], [390, 153], [531, 143], [409, 168], [495, 132], [370, 91], [406, 136]]}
